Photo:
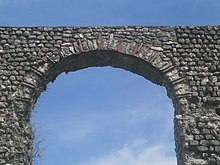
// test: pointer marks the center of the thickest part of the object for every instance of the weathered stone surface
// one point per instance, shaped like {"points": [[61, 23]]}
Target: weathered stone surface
{"points": [[183, 59]]}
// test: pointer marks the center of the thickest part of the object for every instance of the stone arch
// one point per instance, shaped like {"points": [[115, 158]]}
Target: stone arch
{"points": [[147, 61], [184, 58]]}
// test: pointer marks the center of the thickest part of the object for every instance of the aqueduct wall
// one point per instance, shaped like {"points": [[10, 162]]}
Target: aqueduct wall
{"points": [[183, 59]]}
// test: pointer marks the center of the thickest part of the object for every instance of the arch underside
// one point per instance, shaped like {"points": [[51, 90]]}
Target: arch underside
{"points": [[99, 58]]}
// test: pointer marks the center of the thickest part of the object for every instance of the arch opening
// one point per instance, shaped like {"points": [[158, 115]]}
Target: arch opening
{"points": [[134, 146]]}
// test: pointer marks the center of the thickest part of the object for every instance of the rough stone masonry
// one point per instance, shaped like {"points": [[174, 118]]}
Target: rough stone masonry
{"points": [[183, 59]]}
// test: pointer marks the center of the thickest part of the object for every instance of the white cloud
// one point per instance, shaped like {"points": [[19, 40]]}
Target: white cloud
{"points": [[149, 110], [68, 130], [76, 128], [137, 153], [76, 134]]}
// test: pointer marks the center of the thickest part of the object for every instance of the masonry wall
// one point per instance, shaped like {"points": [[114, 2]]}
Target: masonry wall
{"points": [[183, 59]]}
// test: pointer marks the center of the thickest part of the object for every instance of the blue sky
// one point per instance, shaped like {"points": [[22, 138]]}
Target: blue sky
{"points": [[112, 12], [106, 116]]}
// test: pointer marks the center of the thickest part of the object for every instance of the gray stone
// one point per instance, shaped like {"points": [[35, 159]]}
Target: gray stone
{"points": [[157, 48], [202, 148]]}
